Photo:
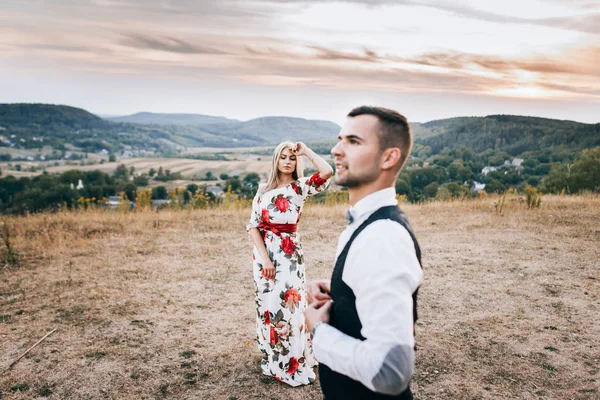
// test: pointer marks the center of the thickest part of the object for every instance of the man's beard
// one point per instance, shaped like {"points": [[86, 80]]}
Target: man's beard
{"points": [[353, 181]]}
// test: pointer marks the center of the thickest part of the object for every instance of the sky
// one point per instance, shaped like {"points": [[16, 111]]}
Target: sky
{"points": [[243, 59]]}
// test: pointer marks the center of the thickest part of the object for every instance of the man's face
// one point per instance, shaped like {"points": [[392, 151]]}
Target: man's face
{"points": [[357, 152]]}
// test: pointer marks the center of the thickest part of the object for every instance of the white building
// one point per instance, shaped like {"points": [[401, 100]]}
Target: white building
{"points": [[478, 186], [216, 191], [487, 170]]}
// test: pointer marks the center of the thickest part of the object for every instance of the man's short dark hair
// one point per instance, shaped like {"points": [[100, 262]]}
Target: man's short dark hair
{"points": [[394, 130]]}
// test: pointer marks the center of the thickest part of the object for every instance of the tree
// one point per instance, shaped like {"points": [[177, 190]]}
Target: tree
{"points": [[252, 177], [495, 186], [121, 171], [141, 180], [152, 172], [224, 176], [443, 161], [209, 176], [72, 176], [192, 188], [585, 174], [234, 183], [419, 178], [112, 158], [403, 187], [454, 188], [431, 190], [557, 179], [129, 190], [160, 193]]}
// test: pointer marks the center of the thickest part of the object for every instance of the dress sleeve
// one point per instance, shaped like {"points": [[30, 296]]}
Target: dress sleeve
{"points": [[313, 184], [256, 214]]}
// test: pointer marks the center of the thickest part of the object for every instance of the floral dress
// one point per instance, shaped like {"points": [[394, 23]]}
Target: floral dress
{"points": [[281, 331]]}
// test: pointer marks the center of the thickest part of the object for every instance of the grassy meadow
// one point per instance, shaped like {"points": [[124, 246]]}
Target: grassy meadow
{"points": [[188, 167], [238, 161], [160, 304]]}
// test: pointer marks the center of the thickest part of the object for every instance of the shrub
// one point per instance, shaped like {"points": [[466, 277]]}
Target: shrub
{"points": [[533, 197]]}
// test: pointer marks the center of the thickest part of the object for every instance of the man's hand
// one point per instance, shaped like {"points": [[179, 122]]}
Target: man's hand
{"points": [[317, 311], [318, 290]]}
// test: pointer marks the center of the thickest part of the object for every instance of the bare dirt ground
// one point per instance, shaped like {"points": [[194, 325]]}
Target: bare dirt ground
{"points": [[161, 305]]}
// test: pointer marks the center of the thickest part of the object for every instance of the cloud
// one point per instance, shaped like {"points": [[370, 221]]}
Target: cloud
{"points": [[166, 43], [244, 41], [58, 47], [334, 55], [572, 89], [589, 23], [585, 62]]}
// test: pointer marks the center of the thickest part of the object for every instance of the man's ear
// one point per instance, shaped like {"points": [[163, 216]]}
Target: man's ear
{"points": [[390, 158]]}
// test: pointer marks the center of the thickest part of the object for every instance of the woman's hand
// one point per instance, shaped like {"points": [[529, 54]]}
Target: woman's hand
{"points": [[268, 270], [300, 149], [325, 170]]}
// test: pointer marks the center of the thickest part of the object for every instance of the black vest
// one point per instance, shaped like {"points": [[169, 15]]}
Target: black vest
{"points": [[345, 317]]}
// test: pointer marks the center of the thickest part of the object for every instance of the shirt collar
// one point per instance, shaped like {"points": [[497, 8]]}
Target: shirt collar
{"points": [[370, 203]]}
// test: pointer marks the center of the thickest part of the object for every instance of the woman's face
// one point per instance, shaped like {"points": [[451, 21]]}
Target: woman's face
{"points": [[287, 161]]}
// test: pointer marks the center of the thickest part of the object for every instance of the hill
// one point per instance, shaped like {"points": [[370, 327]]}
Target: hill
{"points": [[171, 119], [31, 126], [510, 133], [276, 129], [61, 127]]}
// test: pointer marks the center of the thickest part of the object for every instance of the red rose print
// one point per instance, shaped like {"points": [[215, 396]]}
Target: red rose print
{"points": [[265, 215], [274, 339], [292, 297], [296, 188], [283, 330], [267, 318], [316, 180], [282, 204], [287, 245], [293, 366]]}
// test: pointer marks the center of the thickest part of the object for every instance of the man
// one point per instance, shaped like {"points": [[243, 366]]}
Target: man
{"points": [[362, 322]]}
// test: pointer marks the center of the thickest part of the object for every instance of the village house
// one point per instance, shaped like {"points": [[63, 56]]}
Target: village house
{"points": [[216, 191]]}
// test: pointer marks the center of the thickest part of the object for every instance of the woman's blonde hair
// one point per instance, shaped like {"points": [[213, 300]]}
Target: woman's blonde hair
{"points": [[274, 181]]}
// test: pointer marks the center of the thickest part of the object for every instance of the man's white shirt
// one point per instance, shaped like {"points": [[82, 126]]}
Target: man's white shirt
{"points": [[383, 271]]}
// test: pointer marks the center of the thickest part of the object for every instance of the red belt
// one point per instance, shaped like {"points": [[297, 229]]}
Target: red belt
{"points": [[278, 229]]}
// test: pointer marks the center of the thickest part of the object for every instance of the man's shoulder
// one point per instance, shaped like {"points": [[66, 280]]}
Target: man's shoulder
{"points": [[383, 230]]}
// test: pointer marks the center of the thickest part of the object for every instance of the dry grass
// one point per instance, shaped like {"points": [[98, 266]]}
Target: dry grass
{"points": [[160, 305]]}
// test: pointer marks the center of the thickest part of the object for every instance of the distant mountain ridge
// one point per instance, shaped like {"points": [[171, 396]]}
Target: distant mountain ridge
{"points": [[56, 125], [513, 134], [147, 118], [37, 125], [270, 129]]}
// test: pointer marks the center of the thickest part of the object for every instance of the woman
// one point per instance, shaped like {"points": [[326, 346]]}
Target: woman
{"points": [[279, 263]]}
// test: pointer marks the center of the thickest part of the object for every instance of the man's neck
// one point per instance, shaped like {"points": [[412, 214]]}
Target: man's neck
{"points": [[356, 194]]}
